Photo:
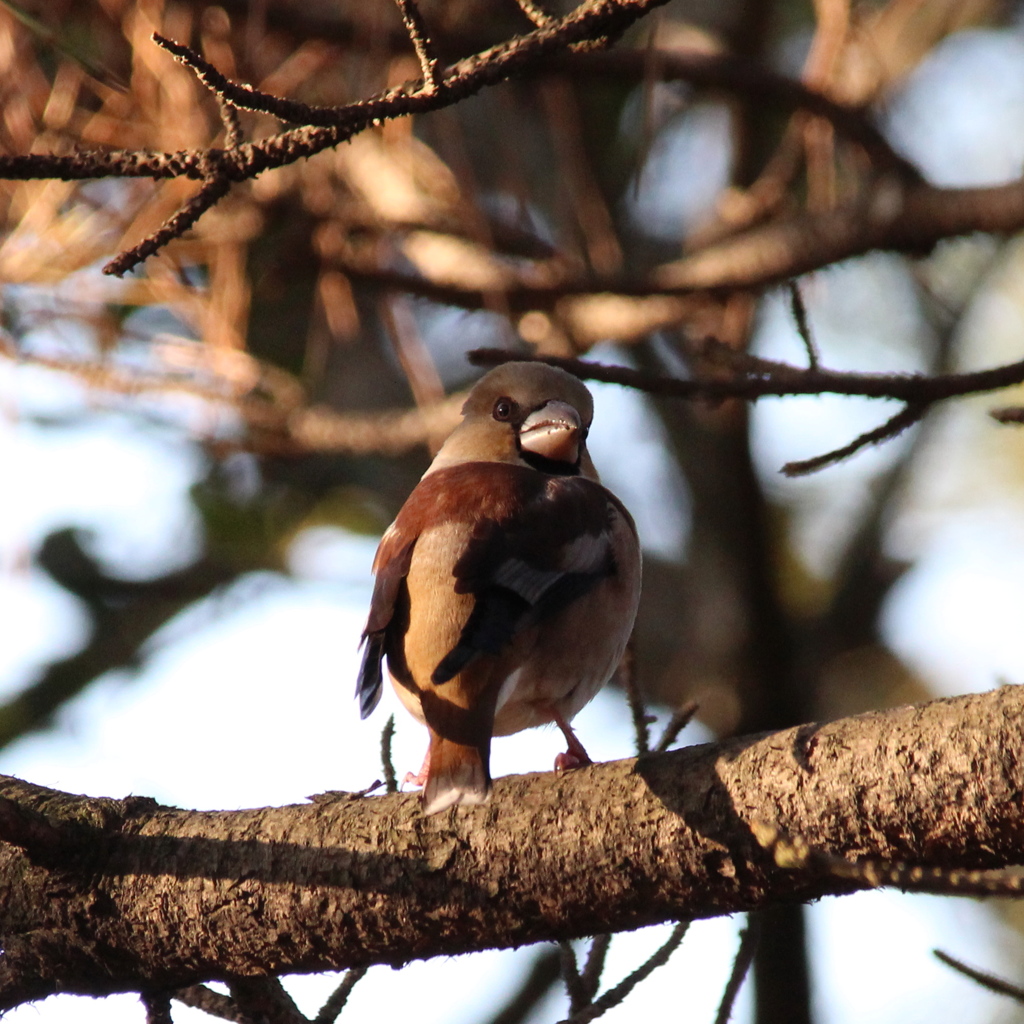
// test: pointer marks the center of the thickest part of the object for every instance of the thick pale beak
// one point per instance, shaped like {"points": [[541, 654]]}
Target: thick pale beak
{"points": [[554, 431]]}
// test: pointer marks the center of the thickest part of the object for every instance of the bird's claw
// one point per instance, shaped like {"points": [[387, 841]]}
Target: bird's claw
{"points": [[568, 760]]}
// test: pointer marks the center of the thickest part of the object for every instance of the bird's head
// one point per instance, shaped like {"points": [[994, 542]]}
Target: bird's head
{"points": [[526, 414]]}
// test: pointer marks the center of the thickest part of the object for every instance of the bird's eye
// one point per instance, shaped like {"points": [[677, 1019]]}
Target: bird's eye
{"points": [[504, 408]]}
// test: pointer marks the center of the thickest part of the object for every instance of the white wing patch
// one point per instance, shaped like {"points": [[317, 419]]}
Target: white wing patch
{"points": [[585, 554], [525, 580]]}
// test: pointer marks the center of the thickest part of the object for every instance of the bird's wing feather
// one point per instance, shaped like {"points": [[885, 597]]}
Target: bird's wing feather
{"points": [[551, 545], [391, 565]]}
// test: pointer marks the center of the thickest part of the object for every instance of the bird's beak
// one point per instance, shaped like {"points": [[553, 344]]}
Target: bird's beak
{"points": [[553, 431]]}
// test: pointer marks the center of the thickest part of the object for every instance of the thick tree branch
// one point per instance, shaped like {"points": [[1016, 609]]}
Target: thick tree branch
{"points": [[157, 899]]}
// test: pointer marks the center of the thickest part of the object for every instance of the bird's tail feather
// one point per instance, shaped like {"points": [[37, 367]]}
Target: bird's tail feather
{"points": [[458, 774]]}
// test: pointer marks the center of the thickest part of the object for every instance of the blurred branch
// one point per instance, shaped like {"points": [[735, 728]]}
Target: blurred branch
{"points": [[765, 378], [740, 967], [750, 377], [597, 21], [754, 81], [910, 414], [983, 978], [796, 854], [614, 996], [124, 613], [539, 980], [685, 824], [894, 217]]}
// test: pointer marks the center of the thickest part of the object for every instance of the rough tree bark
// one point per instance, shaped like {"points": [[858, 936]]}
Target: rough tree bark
{"points": [[100, 896]]}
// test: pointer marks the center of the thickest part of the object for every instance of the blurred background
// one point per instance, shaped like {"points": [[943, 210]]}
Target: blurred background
{"points": [[201, 457]]}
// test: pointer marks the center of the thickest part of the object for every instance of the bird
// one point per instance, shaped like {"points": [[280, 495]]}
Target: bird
{"points": [[506, 589]]}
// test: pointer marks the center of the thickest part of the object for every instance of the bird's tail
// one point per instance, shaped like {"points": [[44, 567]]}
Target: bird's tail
{"points": [[458, 774]]}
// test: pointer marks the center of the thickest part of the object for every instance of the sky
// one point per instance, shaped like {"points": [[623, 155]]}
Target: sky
{"points": [[270, 662]]}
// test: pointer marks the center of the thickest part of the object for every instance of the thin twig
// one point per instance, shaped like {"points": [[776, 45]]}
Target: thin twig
{"points": [[799, 311], [232, 126], [892, 427], [770, 379], [989, 981], [740, 966], [676, 724], [199, 997], [387, 734], [637, 708], [1008, 414], [417, 29], [534, 12], [174, 227], [590, 976], [539, 979], [616, 995], [571, 976], [336, 1000]]}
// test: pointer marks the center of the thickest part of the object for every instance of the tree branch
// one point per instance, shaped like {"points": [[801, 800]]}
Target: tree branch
{"points": [[158, 899], [753, 378]]}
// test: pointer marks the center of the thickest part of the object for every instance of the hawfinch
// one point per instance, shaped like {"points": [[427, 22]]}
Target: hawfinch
{"points": [[507, 587]]}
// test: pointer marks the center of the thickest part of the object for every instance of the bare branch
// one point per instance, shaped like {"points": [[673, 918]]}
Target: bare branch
{"points": [[386, 736], [740, 966], [232, 126], [759, 378], [637, 708], [571, 976], [616, 995], [425, 54], [676, 724], [799, 310], [535, 12], [540, 978], [174, 227], [769, 379], [989, 981], [199, 997], [590, 976], [681, 842], [339, 997], [892, 427], [1008, 414]]}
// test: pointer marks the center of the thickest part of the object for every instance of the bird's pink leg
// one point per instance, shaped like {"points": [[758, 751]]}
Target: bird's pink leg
{"points": [[420, 779], [575, 756]]}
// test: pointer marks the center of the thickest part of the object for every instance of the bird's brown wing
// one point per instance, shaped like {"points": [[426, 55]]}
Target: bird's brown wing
{"points": [[551, 547], [391, 564]]}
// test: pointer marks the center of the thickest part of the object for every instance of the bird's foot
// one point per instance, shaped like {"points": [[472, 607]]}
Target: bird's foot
{"points": [[568, 760], [420, 777], [575, 756]]}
